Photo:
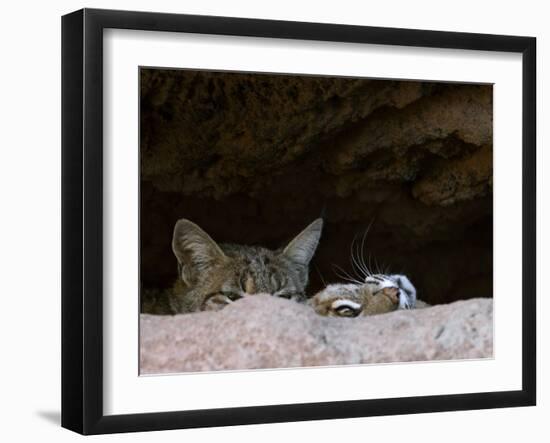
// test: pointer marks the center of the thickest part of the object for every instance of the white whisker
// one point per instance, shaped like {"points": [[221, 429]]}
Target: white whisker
{"points": [[359, 271], [355, 261], [362, 256], [370, 262], [364, 272], [346, 275], [352, 256], [320, 275], [347, 279]]}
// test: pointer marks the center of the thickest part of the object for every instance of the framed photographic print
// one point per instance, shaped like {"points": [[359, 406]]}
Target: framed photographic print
{"points": [[269, 221]]}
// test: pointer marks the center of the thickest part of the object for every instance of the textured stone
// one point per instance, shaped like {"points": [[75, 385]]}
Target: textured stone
{"points": [[221, 134], [266, 332]]}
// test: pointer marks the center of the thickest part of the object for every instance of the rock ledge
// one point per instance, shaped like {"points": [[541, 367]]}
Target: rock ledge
{"points": [[266, 332]]}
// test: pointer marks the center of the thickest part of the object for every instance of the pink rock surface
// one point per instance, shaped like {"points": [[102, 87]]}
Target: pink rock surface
{"points": [[267, 332]]}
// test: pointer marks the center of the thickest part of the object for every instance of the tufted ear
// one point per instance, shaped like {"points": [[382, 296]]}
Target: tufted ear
{"points": [[302, 247], [194, 249]]}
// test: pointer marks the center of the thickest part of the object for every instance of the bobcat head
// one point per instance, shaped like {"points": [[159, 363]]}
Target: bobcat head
{"points": [[377, 295], [213, 275]]}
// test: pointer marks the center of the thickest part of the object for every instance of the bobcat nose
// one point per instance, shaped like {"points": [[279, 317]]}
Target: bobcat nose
{"points": [[392, 293], [250, 286]]}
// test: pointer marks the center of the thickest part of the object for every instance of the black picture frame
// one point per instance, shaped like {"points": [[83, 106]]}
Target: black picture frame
{"points": [[82, 218]]}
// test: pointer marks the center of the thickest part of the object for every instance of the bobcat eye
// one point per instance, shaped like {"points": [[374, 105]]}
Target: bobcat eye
{"points": [[346, 311], [231, 295], [346, 308], [218, 300], [288, 295]]}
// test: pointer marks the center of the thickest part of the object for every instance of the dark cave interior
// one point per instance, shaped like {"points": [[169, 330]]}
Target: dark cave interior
{"points": [[254, 158]]}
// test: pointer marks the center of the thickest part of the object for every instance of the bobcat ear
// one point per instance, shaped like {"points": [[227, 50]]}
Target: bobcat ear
{"points": [[303, 246], [194, 249]]}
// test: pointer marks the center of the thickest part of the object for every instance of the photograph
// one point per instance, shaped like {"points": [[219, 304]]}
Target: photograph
{"points": [[290, 220]]}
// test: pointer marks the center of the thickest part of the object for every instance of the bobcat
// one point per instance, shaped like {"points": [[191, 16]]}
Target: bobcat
{"points": [[377, 295], [212, 276]]}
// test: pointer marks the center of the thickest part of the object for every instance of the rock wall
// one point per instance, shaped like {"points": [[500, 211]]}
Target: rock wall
{"points": [[262, 331], [254, 158]]}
